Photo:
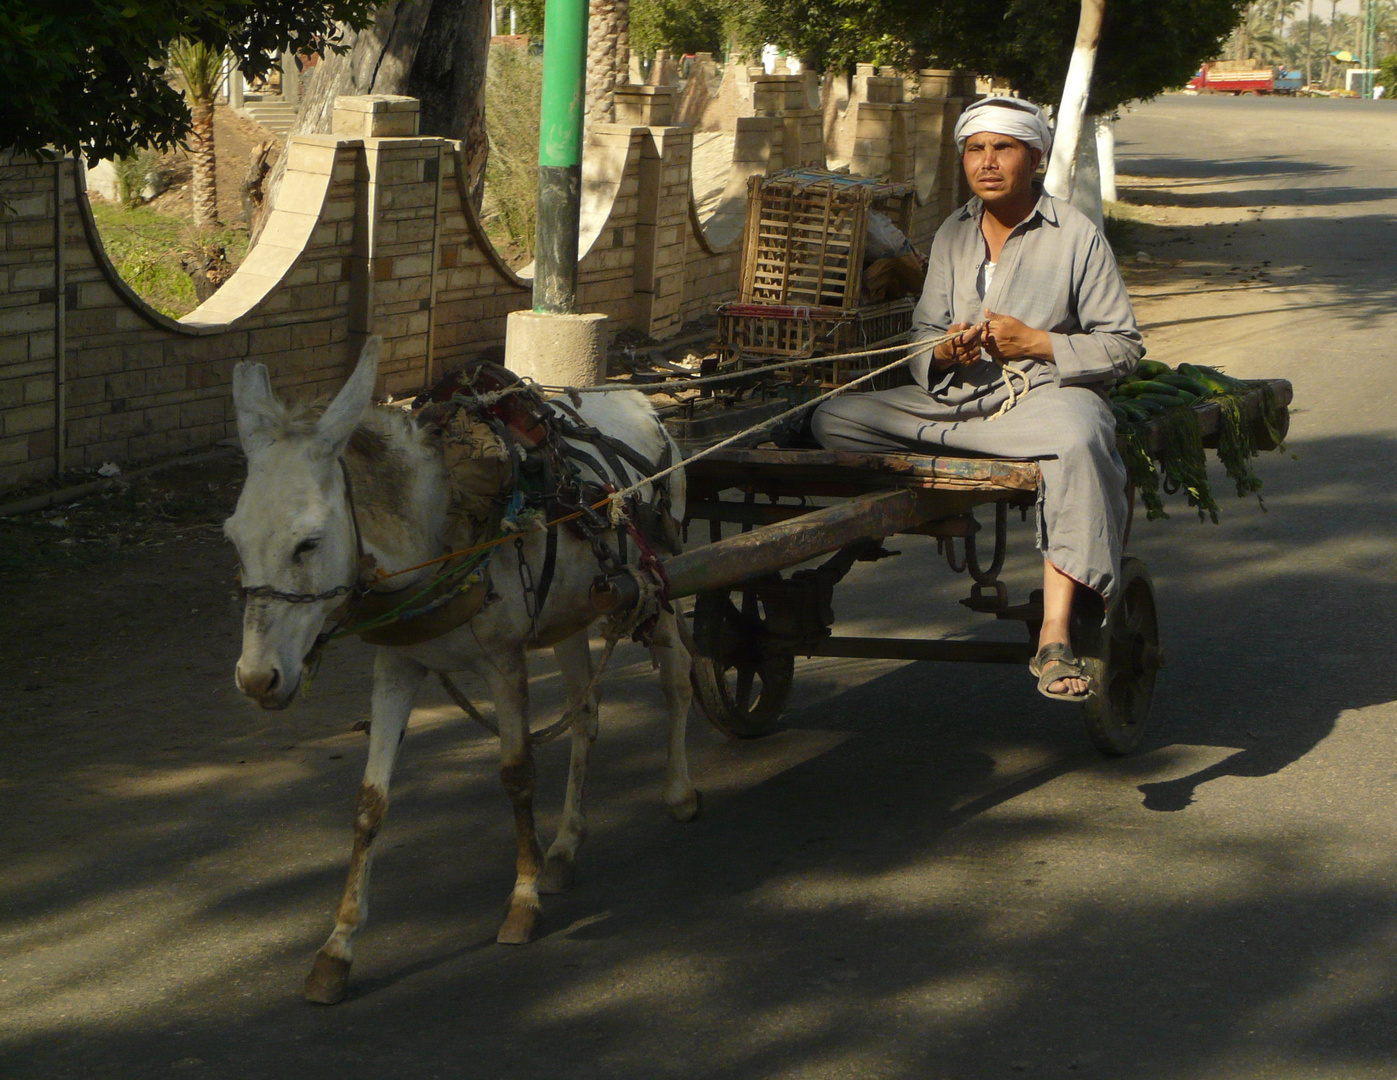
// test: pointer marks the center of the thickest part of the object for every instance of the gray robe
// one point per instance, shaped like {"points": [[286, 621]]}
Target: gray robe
{"points": [[1055, 273]]}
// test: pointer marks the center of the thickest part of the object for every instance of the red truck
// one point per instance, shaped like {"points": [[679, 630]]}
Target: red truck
{"points": [[1244, 77]]}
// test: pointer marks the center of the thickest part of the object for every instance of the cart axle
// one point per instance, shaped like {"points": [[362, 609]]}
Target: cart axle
{"points": [[872, 648]]}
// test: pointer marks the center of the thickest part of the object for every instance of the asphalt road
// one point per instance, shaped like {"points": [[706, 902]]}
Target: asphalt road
{"points": [[931, 875]]}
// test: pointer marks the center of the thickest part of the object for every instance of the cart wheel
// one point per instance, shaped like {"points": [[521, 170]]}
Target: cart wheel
{"points": [[1122, 659], [743, 688]]}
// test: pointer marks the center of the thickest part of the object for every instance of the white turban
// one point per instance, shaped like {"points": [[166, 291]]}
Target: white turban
{"points": [[1010, 116]]}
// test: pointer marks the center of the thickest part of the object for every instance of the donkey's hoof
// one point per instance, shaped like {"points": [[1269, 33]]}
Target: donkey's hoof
{"points": [[557, 876], [328, 979], [519, 925], [688, 809]]}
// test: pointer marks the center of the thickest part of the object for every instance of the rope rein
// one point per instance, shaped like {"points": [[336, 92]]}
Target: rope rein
{"points": [[614, 502], [725, 376]]}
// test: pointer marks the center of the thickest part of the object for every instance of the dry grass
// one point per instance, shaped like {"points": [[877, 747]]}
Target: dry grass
{"points": [[513, 88]]}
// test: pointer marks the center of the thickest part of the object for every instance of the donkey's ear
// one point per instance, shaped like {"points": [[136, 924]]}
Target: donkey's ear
{"points": [[258, 409], [338, 421]]}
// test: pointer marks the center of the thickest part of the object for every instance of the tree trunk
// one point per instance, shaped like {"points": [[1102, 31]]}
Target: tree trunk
{"points": [[448, 77], [608, 56], [1086, 176], [433, 50], [1310, 44], [1072, 112], [1329, 44], [1106, 157], [204, 184]]}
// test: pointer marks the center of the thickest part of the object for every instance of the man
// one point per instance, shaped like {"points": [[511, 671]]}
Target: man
{"points": [[1042, 324]]}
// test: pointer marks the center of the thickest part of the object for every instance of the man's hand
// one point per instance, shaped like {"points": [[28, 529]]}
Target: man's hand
{"points": [[964, 348], [1006, 338]]}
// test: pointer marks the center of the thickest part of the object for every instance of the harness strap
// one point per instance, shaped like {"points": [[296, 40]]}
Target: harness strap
{"points": [[545, 574]]}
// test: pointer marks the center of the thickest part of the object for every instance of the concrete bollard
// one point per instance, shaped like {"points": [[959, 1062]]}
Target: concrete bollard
{"points": [[555, 349]]}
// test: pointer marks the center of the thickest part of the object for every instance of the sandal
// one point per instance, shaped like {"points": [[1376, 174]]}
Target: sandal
{"points": [[1055, 661]]}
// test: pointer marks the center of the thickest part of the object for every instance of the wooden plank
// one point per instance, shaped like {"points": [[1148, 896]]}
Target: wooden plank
{"points": [[728, 562], [897, 470]]}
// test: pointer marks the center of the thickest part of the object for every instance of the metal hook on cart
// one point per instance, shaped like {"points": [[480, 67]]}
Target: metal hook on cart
{"points": [[1001, 543]]}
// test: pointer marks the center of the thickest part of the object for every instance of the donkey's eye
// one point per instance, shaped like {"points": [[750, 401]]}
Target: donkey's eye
{"points": [[304, 547]]}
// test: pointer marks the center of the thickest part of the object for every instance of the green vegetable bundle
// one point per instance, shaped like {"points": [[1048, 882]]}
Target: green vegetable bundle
{"points": [[1160, 397]]}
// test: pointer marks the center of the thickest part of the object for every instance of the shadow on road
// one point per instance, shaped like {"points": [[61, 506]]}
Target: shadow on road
{"points": [[942, 895]]}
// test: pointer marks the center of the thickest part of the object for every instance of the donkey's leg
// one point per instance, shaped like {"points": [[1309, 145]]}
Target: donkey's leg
{"points": [[575, 659], [508, 676], [669, 652], [396, 680]]}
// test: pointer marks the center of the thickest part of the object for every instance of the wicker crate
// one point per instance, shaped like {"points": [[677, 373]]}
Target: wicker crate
{"points": [[804, 239], [759, 335]]}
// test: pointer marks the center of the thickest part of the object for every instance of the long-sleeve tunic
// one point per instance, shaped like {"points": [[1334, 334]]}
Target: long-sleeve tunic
{"points": [[1054, 273]]}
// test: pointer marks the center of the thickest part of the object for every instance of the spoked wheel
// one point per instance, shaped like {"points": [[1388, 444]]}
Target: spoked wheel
{"points": [[741, 685], [1122, 658]]}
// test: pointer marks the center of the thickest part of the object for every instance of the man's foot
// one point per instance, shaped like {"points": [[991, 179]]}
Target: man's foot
{"points": [[1061, 675]]}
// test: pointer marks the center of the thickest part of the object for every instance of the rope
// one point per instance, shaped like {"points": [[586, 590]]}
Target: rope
{"points": [[1014, 395], [925, 347], [614, 501], [746, 373]]}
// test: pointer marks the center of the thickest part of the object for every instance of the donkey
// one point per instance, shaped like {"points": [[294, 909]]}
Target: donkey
{"points": [[324, 494]]}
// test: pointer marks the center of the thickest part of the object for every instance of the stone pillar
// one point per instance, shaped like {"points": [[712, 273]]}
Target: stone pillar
{"points": [[647, 106], [666, 162], [394, 263]]}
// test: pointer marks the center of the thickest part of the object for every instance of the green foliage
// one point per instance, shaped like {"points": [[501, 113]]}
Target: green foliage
{"points": [[89, 76], [131, 174], [1387, 74], [145, 247], [528, 17], [832, 34], [1028, 42], [513, 91], [681, 26], [1034, 46], [199, 67]]}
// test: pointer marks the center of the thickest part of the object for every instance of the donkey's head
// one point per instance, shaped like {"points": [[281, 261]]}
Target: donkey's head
{"points": [[294, 526]]}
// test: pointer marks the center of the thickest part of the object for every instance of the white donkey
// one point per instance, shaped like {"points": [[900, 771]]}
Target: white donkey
{"points": [[314, 496]]}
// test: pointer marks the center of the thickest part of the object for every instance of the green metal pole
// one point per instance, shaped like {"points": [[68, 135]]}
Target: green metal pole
{"points": [[560, 155]]}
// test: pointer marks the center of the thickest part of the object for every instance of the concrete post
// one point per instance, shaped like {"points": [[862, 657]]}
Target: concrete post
{"points": [[556, 349], [235, 85], [290, 79]]}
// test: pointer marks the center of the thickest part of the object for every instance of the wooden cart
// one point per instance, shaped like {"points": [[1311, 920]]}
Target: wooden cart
{"points": [[752, 616]]}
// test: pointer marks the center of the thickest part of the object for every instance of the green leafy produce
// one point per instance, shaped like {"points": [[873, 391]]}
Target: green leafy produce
{"points": [[1154, 409]]}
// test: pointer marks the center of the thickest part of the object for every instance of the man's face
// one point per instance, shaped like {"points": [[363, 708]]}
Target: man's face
{"points": [[999, 167]]}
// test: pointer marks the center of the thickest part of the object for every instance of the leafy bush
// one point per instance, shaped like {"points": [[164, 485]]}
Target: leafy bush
{"points": [[682, 26], [1387, 75], [131, 175], [513, 89]]}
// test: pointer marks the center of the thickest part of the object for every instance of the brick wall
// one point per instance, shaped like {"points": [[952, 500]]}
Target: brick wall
{"points": [[372, 233]]}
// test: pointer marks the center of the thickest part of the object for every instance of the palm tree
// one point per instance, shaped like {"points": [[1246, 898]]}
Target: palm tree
{"points": [[200, 68], [608, 55]]}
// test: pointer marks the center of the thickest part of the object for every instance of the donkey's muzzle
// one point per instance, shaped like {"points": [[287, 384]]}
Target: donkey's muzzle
{"points": [[266, 686]]}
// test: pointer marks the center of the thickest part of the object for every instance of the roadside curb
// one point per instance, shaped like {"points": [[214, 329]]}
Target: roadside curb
{"points": [[79, 491]]}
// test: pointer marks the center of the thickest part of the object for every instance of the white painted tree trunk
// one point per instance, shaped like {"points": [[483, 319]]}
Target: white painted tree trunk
{"points": [[1086, 176], [1106, 157], [1071, 114]]}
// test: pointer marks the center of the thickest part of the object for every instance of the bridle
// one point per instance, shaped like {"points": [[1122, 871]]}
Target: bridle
{"points": [[267, 592]]}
